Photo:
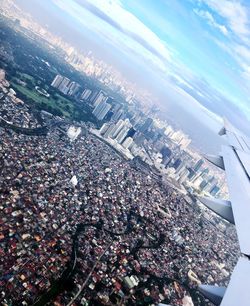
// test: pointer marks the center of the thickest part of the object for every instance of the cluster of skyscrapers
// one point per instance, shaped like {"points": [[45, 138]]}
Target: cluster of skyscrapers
{"points": [[196, 177], [65, 85], [135, 134], [118, 131], [178, 137], [101, 106]]}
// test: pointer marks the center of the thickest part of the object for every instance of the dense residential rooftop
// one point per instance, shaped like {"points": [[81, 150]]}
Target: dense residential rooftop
{"points": [[125, 248]]}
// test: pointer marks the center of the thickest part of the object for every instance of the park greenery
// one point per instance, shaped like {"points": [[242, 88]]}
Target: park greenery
{"points": [[30, 62]]}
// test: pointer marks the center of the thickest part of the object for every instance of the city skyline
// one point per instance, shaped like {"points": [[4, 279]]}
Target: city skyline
{"points": [[186, 46], [106, 196]]}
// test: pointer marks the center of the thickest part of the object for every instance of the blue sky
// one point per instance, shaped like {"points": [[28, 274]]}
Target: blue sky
{"points": [[203, 39], [199, 48], [202, 45]]}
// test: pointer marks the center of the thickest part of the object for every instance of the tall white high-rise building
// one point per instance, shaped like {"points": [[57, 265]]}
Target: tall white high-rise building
{"points": [[169, 131], [117, 115], [101, 110], [73, 88], [104, 111], [197, 181], [120, 137], [104, 128], [177, 136], [63, 87], [180, 168], [135, 149], [57, 80], [117, 128], [127, 142], [109, 131], [184, 143], [101, 97], [86, 94], [97, 109], [123, 132]]}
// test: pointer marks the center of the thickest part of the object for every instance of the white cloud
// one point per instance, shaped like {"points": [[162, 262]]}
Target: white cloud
{"points": [[242, 56], [204, 110], [211, 21], [234, 12], [236, 17], [120, 28], [180, 80], [125, 31], [131, 25], [243, 52]]}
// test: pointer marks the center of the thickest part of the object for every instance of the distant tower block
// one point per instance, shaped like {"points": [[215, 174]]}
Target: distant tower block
{"points": [[104, 128], [101, 110], [127, 142], [86, 94], [57, 81], [117, 128]]}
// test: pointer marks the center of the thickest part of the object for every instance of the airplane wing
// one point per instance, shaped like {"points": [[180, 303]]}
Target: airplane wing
{"points": [[235, 160]]}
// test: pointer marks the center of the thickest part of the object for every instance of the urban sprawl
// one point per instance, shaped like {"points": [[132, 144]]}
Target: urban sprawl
{"points": [[104, 214]]}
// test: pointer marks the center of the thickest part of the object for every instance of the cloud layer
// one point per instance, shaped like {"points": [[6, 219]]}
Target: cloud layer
{"points": [[207, 54]]}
